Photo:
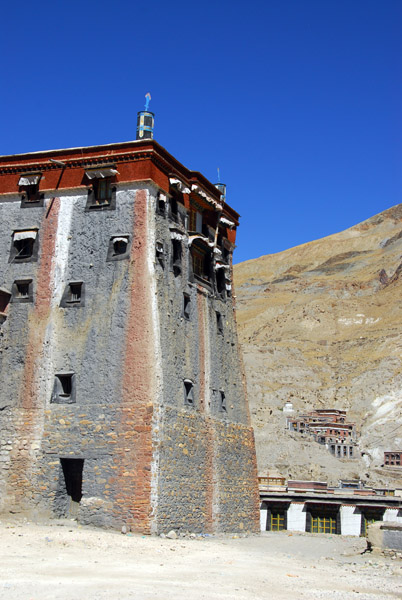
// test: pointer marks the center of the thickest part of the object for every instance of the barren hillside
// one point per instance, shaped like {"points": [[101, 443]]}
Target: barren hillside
{"points": [[321, 325]]}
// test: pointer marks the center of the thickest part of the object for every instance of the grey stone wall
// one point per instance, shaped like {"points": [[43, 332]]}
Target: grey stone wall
{"points": [[202, 472], [207, 463], [85, 340]]}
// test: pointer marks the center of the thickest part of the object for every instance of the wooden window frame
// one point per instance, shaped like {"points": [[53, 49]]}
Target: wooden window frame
{"points": [[16, 296], [105, 200], [69, 299]]}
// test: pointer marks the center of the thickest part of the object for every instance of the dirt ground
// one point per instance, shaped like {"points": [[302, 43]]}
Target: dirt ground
{"points": [[64, 561]]}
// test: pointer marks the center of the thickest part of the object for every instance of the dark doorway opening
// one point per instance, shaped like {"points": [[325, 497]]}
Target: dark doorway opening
{"points": [[72, 471]]}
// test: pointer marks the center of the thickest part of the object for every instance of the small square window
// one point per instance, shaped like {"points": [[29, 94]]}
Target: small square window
{"points": [[188, 392], [22, 291], [219, 322], [119, 248], [102, 193], [73, 294], [24, 246], [64, 389], [29, 187], [186, 306]]}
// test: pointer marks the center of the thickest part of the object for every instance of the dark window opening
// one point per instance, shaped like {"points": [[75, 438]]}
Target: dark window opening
{"points": [[119, 246], [188, 392], [72, 471], [161, 204], [176, 256], [66, 385], [206, 231], [186, 306], [222, 401], [73, 294], [221, 282], [22, 291], [64, 389], [4, 299], [101, 194], [219, 322], [31, 192], [223, 244], [176, 212], [24, 248], [174, 209], [160, 253], [161, 207], [29, 188]]}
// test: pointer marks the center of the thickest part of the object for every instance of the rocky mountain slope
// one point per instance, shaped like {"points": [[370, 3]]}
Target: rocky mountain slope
{"points": [[320, 325]]}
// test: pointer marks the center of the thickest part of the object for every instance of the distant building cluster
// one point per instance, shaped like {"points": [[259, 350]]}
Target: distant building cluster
{"points": [[329, 428], [273, 481], [315, 507], [393, 459]]}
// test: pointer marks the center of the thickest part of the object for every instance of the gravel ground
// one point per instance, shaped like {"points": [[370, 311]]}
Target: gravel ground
{"points": [[64, 561]]}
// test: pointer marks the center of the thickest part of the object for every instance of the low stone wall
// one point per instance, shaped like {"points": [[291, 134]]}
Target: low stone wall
{"points": [[384, 536]]}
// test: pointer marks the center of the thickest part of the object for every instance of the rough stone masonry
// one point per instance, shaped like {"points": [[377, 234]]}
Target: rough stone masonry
{"points": [[122, 397]]}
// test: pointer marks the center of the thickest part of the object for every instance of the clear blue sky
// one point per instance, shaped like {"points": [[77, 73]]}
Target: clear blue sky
{"points": [[298, 102]]}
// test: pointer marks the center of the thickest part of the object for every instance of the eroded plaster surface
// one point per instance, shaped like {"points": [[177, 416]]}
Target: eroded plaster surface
{"points": [[149, 460]]}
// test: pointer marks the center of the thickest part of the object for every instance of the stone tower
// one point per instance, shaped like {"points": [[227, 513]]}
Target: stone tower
{"points": [[122, 397]]}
